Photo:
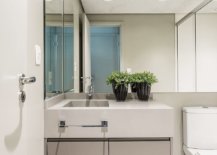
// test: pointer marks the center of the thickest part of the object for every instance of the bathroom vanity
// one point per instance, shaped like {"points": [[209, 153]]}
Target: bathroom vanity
{"points": [[103, 126]]}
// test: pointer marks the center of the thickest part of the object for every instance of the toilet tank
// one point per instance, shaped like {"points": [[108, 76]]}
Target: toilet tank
{"points": [[200, 127]]}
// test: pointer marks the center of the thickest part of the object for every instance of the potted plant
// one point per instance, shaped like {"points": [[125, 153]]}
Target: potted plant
{"points": [[143, 84], [119, 82], [133, 81]]}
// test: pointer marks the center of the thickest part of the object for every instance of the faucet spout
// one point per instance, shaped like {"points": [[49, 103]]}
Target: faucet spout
{"points": [[90, 91]]}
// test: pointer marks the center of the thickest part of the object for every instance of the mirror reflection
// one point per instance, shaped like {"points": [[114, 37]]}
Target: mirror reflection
{"points": [[197, 51], [105, 55], [59, 47], [68, 69], [133, 42], [53, 47]]}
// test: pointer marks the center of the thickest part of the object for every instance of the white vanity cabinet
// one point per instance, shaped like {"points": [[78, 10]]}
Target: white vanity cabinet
{"points": [[133, 128]]}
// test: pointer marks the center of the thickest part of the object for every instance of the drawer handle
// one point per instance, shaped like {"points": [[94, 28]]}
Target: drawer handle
{"points": [[104, 124]]}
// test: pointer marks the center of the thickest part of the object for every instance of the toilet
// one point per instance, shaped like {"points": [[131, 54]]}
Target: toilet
{"points": [[200, 130]]}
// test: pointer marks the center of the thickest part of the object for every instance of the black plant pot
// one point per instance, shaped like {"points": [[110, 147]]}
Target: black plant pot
{"points": [[143, 91], [120, 91], [133, 87]]}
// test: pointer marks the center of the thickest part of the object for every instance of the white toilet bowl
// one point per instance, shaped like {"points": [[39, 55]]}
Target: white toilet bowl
{"points": [[200, 130], [190, 151]]}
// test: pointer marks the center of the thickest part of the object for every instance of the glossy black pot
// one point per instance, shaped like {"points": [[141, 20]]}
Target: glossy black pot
{"points": [[120, 91], [143, 91]]}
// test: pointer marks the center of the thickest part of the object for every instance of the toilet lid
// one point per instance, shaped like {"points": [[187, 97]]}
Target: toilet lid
{"points": [[190, 151]]}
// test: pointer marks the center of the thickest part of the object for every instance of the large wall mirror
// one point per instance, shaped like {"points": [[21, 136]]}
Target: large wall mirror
{"points": [[197, 50], [126, 41]]}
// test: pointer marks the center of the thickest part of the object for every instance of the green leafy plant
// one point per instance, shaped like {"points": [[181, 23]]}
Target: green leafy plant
{"points": [[118, 78], [145, 76]]}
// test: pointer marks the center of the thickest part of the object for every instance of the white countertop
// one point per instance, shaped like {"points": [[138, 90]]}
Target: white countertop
{"points": [[113, 104]]}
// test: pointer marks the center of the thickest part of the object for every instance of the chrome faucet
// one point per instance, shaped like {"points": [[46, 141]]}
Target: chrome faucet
{"points": [[90, 87], [90, 90]]}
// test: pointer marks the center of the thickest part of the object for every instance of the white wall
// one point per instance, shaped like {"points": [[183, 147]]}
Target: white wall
{"points": [[180, 100], [147, 43]]}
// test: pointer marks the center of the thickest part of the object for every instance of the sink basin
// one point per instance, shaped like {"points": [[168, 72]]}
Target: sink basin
{"points": [[87, 103], [132, 119]]}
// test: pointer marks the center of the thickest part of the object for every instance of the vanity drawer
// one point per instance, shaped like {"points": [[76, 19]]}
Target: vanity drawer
{"points": [[140, 148], [76, 148]]}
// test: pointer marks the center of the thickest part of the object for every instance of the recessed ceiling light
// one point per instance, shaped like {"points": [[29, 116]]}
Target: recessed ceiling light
{"points": [[107, 0]]}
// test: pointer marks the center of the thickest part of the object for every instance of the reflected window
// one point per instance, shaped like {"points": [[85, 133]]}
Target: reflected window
{"points": [[53, 56], [105, 55]]}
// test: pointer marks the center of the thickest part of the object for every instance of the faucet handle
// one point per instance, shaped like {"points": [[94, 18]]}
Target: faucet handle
{"points": [[91, 78], [84, 78], [87, 77]]}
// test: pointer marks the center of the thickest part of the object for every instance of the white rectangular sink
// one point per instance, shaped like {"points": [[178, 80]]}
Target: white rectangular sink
{"points": [[86, 103], [132, 119]]}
